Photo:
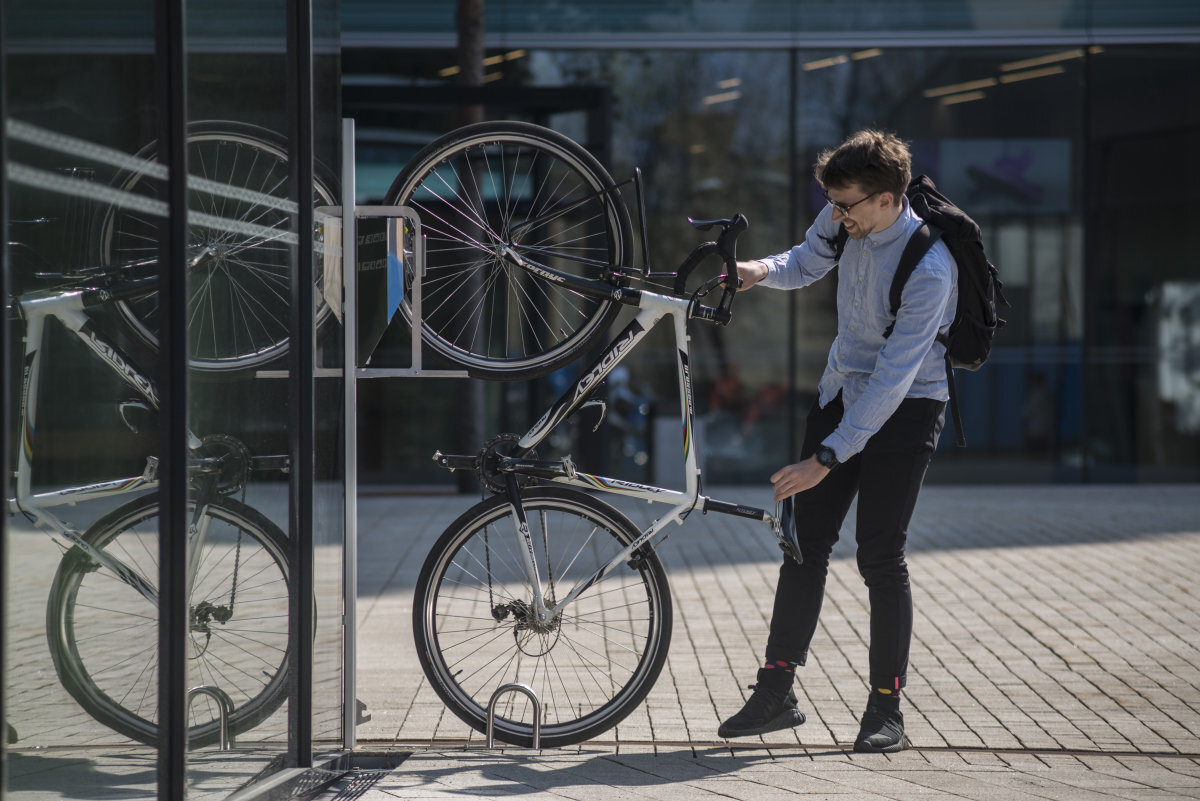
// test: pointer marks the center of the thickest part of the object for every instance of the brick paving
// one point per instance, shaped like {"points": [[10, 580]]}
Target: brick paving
{"points": [[1056, 654]]}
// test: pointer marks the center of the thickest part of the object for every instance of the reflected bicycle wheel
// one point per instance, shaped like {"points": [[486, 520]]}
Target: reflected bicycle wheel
{"points": [[102, 626], [240, 245], [590, 666], [494, 185]]}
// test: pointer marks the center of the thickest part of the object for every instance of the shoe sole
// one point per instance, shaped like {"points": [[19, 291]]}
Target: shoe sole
{"points": [[863, 747], [785, 720]]}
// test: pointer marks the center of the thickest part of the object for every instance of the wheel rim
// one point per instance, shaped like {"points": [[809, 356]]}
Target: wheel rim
{"points": [[589, 666], [479, 309], [238, 250], [107, 654]]}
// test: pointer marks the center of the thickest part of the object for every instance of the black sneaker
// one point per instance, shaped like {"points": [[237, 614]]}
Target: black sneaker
{"points": [[767, 710], [882, 730]]}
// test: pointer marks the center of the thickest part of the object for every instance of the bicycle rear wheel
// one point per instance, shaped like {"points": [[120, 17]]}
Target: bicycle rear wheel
{"points": [[475, 189], [239, 233], [590, 666], [103, 632]]}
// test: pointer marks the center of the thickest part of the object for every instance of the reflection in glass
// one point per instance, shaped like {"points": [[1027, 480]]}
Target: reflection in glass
{"points": [[239, 246], [104, 611]]}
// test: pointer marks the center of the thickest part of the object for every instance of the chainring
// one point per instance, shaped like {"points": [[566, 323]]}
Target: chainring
{"points": [[236, 467], [490, 476]]}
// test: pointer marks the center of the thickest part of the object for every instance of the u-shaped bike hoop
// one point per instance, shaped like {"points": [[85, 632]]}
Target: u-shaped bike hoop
{"points": [[225, 707], [537, 713]]}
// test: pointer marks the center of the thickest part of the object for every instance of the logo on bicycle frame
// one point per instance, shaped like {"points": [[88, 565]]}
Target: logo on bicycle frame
{"points": [[610, 358], [113, 357]]}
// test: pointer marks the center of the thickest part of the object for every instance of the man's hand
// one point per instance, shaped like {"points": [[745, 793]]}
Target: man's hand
{"points": [[798, 477], [751, 272]]}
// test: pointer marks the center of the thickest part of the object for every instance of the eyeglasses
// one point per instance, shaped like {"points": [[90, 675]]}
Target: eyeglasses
{"points": [[843, 208]]}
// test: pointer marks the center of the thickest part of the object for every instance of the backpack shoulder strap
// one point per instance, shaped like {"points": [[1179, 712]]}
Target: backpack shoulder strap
{"points": [[837, 242], [917, 246]]}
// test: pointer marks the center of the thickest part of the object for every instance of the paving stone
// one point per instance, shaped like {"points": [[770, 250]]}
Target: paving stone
{"points": [[1056, 655]]}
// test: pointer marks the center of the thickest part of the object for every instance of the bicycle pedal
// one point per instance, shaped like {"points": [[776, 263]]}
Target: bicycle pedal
{"points": [[791, 551], [786, 531]]}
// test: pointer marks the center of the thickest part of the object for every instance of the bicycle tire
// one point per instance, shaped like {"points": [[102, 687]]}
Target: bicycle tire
{"points": [[103, 633], [239, 297], [589, 668], [480, 311]]}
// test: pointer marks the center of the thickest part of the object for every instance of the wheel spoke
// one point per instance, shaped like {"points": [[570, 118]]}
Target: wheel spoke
{"points": [[473, 190], [474, 619], [238, 627], [239, 303]]}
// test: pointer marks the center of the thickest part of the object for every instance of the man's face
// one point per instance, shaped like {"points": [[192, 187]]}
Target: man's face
{"points": [[859, 211]]}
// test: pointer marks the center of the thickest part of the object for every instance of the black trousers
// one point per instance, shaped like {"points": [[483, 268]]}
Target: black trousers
{"points": [[887, 477]]}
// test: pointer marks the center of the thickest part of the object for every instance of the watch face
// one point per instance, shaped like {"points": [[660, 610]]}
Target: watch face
{"points": [[826, 457]]}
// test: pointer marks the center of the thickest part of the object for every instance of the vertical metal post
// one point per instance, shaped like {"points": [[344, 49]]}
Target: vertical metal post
{"points": [[414, 300], [5, 390], [301, 361], [793, 353], [1088, 211], [349, 434], [170, 57]]}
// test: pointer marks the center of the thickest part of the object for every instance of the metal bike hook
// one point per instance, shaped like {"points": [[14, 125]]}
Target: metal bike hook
{"points": [[537, 713]]}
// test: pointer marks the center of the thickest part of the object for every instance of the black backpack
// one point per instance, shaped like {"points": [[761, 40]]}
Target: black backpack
{"points": [[969, 340]]}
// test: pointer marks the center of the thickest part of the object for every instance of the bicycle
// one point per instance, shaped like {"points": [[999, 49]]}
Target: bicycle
{"points": [[549, 586], [101, 617]]}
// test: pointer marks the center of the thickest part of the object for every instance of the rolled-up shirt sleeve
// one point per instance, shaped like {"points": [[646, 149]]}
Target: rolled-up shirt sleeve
{"points": [[922, 313], [806, 262]]}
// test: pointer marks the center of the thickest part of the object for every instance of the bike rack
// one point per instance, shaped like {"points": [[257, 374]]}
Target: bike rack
{"points": [[343, 296], [224, 706], [525, 690], [350, 215]]}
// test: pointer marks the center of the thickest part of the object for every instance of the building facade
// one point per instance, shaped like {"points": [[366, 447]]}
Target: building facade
{"points": [[167, 426], [1060, 126]]}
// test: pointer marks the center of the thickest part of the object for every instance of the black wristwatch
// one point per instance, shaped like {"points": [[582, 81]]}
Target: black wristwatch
{"points": [[826, 457]]}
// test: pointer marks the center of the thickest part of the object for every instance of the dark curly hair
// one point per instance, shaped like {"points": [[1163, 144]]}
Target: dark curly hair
{"points": [[876, 161]]}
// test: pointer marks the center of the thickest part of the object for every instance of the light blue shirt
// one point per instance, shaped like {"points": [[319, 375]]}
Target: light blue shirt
{"points": [[872, 372]]}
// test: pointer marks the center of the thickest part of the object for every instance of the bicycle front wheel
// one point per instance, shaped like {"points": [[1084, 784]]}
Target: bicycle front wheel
{"points": [[590, 665], [493, 185], [240, 241], [103, 630]]}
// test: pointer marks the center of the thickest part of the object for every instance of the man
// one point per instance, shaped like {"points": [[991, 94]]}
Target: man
{"points": [[872, 431]]}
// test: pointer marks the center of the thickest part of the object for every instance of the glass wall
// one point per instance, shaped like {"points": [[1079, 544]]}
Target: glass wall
{"points": [[1090, 377], [82, 666], [328, 411], [92, 409], [1141, 415]]}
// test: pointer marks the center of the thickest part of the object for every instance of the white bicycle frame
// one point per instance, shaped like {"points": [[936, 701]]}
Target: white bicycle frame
{"points": [[69, 308], [652, 308]]}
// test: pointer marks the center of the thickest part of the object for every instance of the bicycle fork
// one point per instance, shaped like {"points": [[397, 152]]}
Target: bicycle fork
{"points": [[540, 615]]}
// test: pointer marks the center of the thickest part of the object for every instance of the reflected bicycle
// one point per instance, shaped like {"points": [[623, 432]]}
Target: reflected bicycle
{"points": [[102, 614]]}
